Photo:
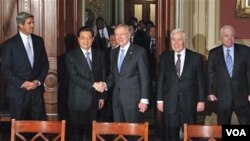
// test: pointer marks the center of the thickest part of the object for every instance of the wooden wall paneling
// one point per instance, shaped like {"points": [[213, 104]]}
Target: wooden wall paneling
{"points": [[50, 36], [9, 12]]}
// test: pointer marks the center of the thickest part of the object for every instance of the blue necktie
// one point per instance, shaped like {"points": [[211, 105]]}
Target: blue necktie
{"points": [[30, 51], [88, 60], [121, 58], [229, 63]]}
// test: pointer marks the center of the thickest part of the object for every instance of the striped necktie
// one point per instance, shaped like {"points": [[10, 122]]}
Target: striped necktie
{"points": [[88, 60], [229, 62]]}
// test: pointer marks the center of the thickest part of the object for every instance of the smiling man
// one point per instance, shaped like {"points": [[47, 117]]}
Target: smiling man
{"points": [[129, 76], [85, 66], [181, 85]]}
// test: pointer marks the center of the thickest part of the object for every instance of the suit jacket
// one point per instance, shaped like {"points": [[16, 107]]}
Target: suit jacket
{"points": [[151, 58], [132, 83], [81, 78], [189, 88], [17, 68], [228, 90], [101, 42]]}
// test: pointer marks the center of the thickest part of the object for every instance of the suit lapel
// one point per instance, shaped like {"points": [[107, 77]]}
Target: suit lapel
{"points": [[172, 60], [81, 57], [115, 58], [35, 50], [186, 63], [236, 58], [222, 60], [21, 45], [94, 60], [127, 57]]}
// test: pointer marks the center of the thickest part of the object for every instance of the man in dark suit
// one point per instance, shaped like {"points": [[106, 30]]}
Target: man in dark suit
{"points": [[25, 66], [102, 33], [229, 78], [181, 85], [129, 77], [86, 67]]}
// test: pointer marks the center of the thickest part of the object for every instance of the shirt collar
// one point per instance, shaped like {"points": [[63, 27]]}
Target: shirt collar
{"points": [[23, 36], [230, 48], [182, 53], [85, 51], [125, 47]]}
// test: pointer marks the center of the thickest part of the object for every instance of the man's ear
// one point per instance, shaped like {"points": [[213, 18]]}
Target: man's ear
{"points": [[20, 25]]}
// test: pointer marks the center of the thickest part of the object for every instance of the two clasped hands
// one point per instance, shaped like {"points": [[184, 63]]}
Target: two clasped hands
{"points": [[100, 86], [30, 85]]}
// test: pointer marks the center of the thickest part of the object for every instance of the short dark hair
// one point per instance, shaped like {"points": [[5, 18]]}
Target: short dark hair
{"points": [[85, 28]]}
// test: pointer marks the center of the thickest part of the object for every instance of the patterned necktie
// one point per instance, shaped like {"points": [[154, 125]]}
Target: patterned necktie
{"points": [[178, 65], [229, 62], [29, 51], [121, 58], [88, 60]]}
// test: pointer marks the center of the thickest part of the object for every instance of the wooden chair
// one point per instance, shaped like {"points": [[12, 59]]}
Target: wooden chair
{"points": [[210, 132], [119, 129], [38, 128]]}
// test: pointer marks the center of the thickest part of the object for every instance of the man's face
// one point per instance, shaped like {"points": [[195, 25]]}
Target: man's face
{"points": [[152, 32], [122, 36], [112, 41], [227, 37], [177, 42], [85, 40], [28, 26]]}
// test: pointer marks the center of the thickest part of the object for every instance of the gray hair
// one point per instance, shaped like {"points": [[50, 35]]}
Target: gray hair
{"points": [[178, 30], [226, 27], [22, 16]]}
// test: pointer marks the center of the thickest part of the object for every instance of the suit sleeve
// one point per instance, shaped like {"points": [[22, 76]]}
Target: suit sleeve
{"points": [[144, 74], [160, 80], [74, 74], [211, 73], [7, 67], [248, 70], [103, 68], [201, 80], [44, 64], [110, 78]]}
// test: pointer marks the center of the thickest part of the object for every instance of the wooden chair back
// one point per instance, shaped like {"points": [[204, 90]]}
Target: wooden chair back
{"points": [[210, 132], [119, 130], [39, 128]]}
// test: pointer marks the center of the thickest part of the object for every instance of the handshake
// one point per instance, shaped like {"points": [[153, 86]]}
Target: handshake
{"points": [[100, 86]]}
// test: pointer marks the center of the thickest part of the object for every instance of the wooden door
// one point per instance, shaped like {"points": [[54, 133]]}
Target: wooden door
{"points": [[141, 9]]}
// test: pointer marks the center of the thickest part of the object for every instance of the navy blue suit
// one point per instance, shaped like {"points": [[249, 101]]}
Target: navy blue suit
{"points": [[17, 69], [231, 92]]}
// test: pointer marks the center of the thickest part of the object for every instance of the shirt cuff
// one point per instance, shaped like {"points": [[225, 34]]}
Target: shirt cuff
{"points": [[160, 101], [38, 83], [144, 100]]}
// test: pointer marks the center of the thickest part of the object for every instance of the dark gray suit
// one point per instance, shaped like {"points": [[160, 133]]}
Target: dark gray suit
{"points": [[130, 85], [232, 93], [83, 99], [180, 95], [17, 69]]}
